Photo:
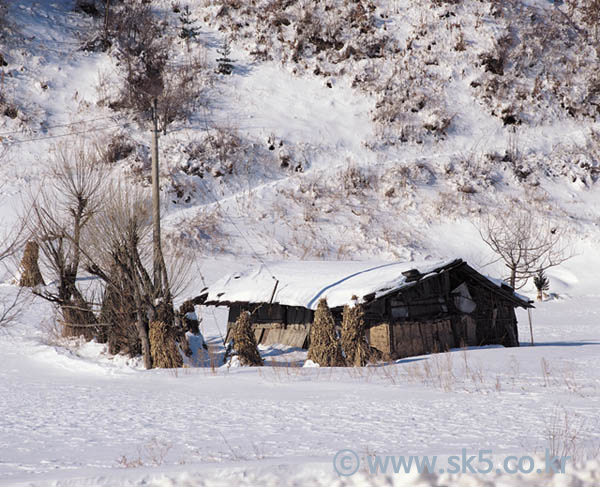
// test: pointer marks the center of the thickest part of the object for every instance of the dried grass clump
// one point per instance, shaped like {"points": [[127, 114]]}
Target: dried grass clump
{"points": [[324, 348], [163, 346], [355, 180], [31, 275], [118, 317], [244, 342], [353, 339]]}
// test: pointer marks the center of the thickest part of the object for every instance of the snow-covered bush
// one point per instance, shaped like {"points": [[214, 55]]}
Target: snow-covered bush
{"points": [[119, 147], [88, 7], [216, 153], [542, 64]]}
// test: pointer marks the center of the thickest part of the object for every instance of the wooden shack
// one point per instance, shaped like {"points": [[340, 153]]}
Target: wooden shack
{"points": [[410, 308]]}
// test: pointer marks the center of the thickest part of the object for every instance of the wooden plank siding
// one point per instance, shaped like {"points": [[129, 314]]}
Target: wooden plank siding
{"points": [[274, 323]]}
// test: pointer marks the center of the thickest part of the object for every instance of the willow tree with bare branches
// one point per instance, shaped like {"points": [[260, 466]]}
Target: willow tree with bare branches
{"points": [[11, 243], [119, 252], [60, 214], [12, 240], [525, 242]]}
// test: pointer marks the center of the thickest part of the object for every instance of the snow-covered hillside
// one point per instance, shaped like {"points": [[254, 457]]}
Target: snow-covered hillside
{"points": [[294, 156], [347, 130]]}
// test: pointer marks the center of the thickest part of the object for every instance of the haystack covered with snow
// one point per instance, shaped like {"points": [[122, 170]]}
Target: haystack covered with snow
{"points": [[410, 307]]}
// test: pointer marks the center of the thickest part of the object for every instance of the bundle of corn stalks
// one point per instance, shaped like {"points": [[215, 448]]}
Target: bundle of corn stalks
{"points": [[30, 271], [354, 341], [244, 341], [77, 318], [118, 313], [163, 346], [324, 348]]}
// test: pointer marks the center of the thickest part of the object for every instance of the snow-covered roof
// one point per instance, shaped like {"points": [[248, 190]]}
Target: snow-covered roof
{"points": [[304, 283]]}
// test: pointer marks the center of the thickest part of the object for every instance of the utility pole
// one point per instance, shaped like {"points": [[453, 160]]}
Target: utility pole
{"points": [[106, 15], [157, 253]]}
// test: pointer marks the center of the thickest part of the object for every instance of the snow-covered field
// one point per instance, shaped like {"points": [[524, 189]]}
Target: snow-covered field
{"points": [[311, 179]]}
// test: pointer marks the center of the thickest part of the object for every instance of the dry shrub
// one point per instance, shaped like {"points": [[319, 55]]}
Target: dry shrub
{"points": [[31, 275], [163, 346], [324, 348], [117, 149], [216, 153], [87, 7], [353, 339], [355, 180], [244, 342]]}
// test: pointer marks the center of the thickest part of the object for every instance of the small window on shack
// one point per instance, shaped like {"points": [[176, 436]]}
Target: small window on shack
{"points": [[376, 307], [399, 308]]}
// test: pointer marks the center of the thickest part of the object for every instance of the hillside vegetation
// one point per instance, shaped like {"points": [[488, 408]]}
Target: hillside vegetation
{"points": [[286, 121]]}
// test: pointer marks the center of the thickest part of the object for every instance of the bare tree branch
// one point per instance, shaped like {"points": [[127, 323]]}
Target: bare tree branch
{"points": [[525, 243]]}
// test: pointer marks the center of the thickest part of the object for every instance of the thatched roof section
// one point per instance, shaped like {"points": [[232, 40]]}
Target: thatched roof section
{"points": [[303, 283]]}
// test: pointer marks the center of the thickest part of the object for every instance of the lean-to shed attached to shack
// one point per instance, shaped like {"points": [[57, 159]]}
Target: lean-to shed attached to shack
{"points": [[410, 308]]}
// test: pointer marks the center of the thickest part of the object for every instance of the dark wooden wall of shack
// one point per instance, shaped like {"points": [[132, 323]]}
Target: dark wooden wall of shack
{"points": [[275, 323], [494, 315], [423, 318]]}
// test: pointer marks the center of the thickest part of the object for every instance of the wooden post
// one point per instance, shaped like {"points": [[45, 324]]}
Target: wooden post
{"points": [[155, 200], [274, 290], [530, 325], [106, 14]]}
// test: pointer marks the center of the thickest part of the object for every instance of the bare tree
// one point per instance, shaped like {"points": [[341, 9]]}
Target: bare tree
{"points": [[526, 243], [11, 242], [60, 214], [119, 253], [142, 47]]}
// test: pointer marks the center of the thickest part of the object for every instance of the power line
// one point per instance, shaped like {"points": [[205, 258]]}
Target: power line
{"points": [[21, 141], [212, 195], [61, 125]]}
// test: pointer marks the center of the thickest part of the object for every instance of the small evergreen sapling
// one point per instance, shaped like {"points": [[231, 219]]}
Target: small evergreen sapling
{"points": [[224, 62], [189, 31], [542, 283]]}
